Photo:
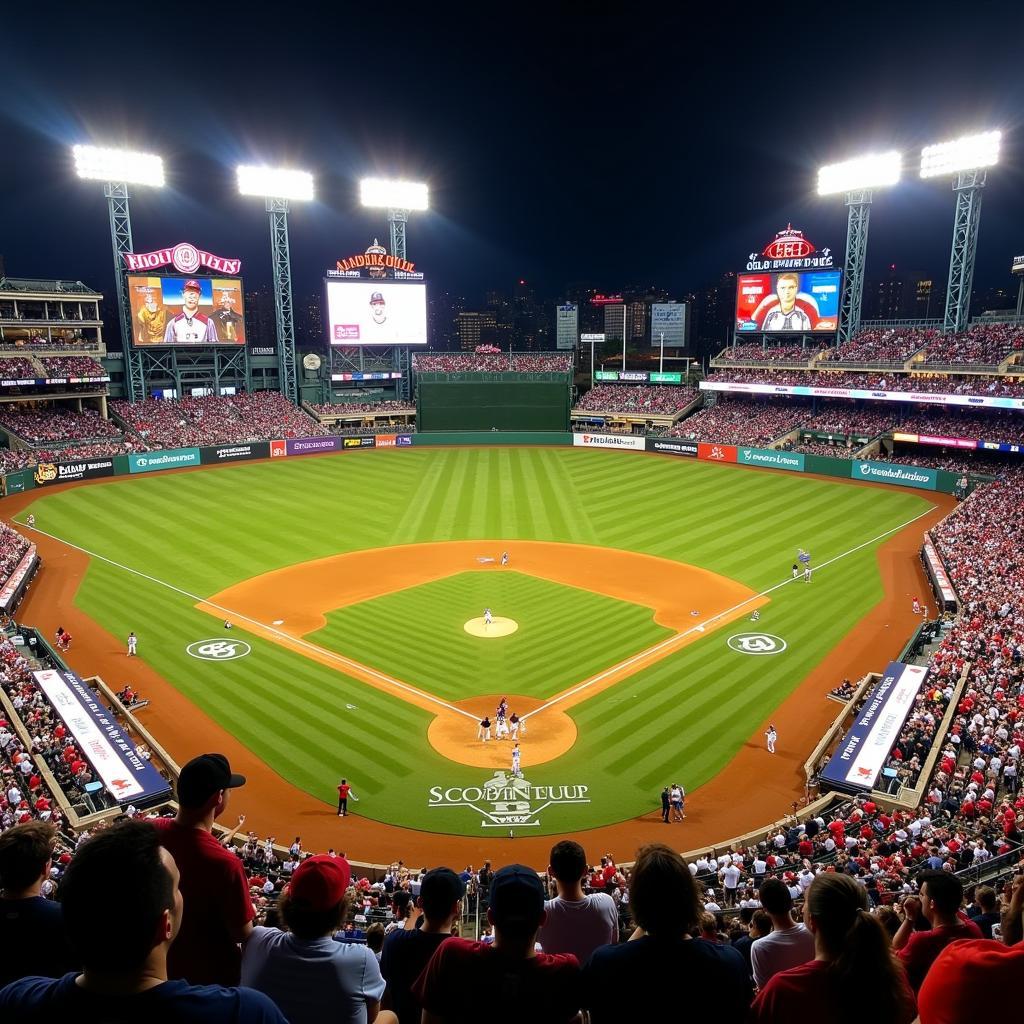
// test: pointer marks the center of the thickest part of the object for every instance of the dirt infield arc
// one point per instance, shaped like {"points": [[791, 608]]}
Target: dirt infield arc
{"points": [[742, 796], [287, 604]]}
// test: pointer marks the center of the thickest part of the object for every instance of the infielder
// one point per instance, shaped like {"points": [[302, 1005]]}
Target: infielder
{"points": [[796, 570], [501, 728], [484, 731], [807, 574], [504, 558], [133, 642], [771, 735], [516, 771]]}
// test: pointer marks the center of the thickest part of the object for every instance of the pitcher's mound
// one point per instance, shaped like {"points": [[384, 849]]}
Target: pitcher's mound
{"points": [[498, 627]]}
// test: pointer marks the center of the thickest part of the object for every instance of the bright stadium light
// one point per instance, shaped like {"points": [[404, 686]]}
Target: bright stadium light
{"points": [[275, 183], [99, 164], [872, 171], [398, 195], [968, 153]]}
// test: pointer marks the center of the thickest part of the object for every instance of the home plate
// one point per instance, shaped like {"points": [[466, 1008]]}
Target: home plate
{"points": [[278, 622]]}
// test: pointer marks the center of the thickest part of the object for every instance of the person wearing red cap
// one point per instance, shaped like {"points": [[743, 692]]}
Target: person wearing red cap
{"points": [[972, 980], [309, 974], [190, 327], [218, 910]]}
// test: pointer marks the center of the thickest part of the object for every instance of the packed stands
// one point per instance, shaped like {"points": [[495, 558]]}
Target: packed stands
{"points": [[986, 463], [12, 549], [844, 417], [888, 345], [742, 420], [18, 368], [771, 354], [227, 419], [477, 362], [925, 383], [979, 345], [52, 426], [663, 399], [385, 405], [72, 366]]}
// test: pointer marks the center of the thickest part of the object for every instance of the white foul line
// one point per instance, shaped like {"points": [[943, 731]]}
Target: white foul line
{"points": [[699, 627], [231, 613]]}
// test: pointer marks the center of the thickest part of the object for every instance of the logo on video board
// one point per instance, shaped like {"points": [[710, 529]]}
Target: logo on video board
{"points": [[790, 250]]}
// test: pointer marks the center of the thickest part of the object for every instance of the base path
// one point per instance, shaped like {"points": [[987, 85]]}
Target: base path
{"points": [[752, 790], [286, 604]]}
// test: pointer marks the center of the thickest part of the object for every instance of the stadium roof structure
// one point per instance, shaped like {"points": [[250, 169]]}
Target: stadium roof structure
{"points": [[32, 286]]}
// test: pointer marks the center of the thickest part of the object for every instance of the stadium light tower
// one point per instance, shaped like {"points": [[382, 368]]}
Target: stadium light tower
{"points": [[279, 187], [967, 158], [398, 198], [117, 169], [858, 178]]}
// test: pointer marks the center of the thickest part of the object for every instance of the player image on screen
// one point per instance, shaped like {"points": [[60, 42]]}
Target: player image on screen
{"points": [[787, 315], [788, 302], [152, 320], [227, 318], [190, 327], [376, 313]]}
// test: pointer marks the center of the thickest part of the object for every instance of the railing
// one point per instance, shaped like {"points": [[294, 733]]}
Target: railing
{"points": [[992, 868]]}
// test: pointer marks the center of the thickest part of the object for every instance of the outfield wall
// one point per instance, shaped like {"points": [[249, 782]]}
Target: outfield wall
{"points": [[47, 474]]}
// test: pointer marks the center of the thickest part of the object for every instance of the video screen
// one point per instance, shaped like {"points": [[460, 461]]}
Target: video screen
{"points": [[789, 302], [186, 310], [376, 313]]}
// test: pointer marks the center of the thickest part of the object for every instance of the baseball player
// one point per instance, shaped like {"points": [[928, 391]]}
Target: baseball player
{"points": [[514, 726], [31, 521], [487, 617], [771, 735], [153, 321], [807, 574], [916, 607], [190, 327], [484, 731], [501, 728], [787, 315], [133, 642], [504, 558], [755, 615], [516, 770], [226, 318], [796, 570]]}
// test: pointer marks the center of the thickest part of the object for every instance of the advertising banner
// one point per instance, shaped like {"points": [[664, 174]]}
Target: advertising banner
{"points": [[126, 776], [173, 458], [717, 452], [47, 473], [393, 440], [312, 445], [366, 441], [792, 302], [959, 442], [278, 449], [234, 452], [638, 377], [891, 473], [859, 758], [190, 311], [672, 446], [771, 458], [633, 442], [921, 398], [376, 313]]}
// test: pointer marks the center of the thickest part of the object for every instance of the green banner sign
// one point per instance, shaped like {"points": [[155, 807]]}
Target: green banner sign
{"points": [[666, 378], [771, 458], [891, 473], [174, 458]]}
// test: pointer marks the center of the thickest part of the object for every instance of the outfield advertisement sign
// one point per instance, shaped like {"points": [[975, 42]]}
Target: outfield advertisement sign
{"points": [[47, 473], [891, 473], [633, 442], [926, 398], [111, 753], [364, 441], [638, 377], [234, 453], [393, 440], [311, 445], [672, 446], [717, 452], [771, 458], [859, 758], [173, 458]]}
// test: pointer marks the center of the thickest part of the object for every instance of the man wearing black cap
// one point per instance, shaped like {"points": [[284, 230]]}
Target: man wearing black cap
{"points": [[407, 952], [218, 912], [508, 980]]}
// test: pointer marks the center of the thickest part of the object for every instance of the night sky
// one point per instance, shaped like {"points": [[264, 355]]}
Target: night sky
{"points": [[615, 148]]}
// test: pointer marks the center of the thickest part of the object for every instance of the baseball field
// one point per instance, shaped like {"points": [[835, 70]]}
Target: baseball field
{"points": [[353, 584]]}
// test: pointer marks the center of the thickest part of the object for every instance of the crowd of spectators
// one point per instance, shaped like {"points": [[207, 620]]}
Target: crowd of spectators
{"points": [[40, 343], [742, 420], [992, 425], [477, 362], [839, 450], [25, 458], [951, 460], [660, 399], [39, 425], [769, 354], [225, 419], [882, 345], [385, 405], [18, 368], [12, 550], [72, 366], [843, 416], [980, 345]]}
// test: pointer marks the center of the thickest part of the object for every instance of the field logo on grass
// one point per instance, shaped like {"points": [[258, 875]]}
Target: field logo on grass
{"points": [[218, 650], [505, 800], [757, 643]]}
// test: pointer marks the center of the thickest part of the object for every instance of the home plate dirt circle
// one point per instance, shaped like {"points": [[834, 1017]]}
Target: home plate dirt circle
{"points": [[498, 626]]}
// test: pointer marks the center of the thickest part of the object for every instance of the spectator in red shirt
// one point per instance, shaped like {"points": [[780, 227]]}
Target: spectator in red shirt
{"points": [[850, 945], [218, 911], [973, 981], [941, 893]]}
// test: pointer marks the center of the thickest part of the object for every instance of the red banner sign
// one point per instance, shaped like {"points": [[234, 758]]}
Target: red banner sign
{"points": [[185, 257], [716, 452]]}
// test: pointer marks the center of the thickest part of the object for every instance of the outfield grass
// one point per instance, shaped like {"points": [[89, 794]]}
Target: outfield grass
{"points": [[683, 718], [565, 635]]}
